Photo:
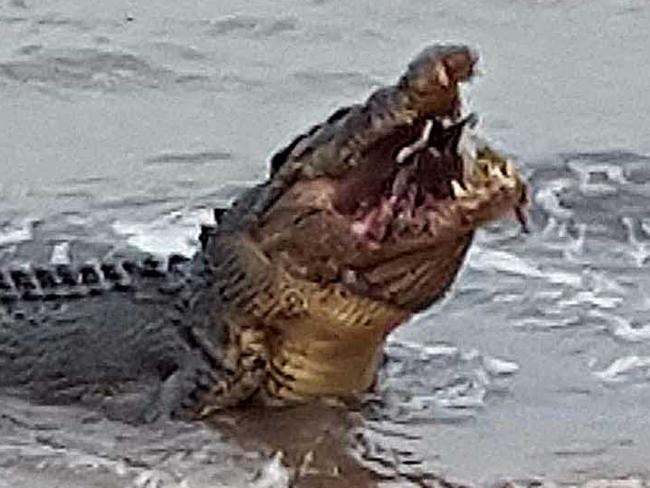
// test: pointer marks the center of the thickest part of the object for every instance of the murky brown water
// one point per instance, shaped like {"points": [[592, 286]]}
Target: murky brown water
{"points": [[121, 123]]}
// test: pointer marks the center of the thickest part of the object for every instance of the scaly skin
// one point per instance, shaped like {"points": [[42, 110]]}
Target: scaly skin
{"points": [[314, 300], [364, 220], [109, 339]]}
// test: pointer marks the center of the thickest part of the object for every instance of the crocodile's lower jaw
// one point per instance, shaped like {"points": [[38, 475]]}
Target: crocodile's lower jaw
{"points": [[290, 339], [301, 372], [332, 349]]}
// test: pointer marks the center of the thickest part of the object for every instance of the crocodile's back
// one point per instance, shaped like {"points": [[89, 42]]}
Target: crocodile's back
{"points": [[116, 349]]}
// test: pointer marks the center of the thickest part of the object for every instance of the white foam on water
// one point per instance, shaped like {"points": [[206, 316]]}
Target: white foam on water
{"points": [[69, 443], [557, 277], [463, 396], [584, 171], [639, 251], [499, 367], [556, 321], [423, 351], [15, 233], [624, 368], [600, 282], [622, 327], [273, 475], [571, 248], [440, 381], [493, 260], [588, 297], [176, 232], [645, 225], [576, 247], [547, 198]]}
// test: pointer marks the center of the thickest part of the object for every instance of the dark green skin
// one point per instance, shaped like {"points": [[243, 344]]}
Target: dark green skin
{"points": [[140, 346], [127, 351]]}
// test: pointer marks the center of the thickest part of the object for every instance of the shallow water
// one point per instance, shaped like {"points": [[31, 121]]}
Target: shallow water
{"points": [[121, 125]]}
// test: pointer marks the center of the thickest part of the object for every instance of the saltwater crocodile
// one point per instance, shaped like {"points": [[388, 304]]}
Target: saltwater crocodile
{"points": [[364, 220]]}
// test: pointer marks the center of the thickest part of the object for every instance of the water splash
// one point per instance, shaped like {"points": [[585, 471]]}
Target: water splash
{"points": [[176, 232]]}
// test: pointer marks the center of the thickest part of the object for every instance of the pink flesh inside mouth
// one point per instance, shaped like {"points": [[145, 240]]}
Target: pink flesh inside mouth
{"points": [[398, 211], [413, 206]]}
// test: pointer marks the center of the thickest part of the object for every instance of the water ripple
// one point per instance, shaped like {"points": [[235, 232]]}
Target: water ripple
{"points": [[201, 157], [335, 80], [251, 26], [626, 369], [176, 232], [86, 450], [16, 232], [438, 383], [92, 69]]}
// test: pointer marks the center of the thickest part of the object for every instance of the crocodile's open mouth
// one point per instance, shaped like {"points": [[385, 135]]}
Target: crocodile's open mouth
{"points": [[366, 219], [397, 228], [439, 186], [384, 197]]}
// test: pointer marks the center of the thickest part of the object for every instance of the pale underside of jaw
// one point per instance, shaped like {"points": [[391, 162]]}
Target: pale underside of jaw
{"points": [[485, 189]]}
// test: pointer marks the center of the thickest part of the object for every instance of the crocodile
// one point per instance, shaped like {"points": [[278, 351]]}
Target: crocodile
{"points": [[364, 220]]}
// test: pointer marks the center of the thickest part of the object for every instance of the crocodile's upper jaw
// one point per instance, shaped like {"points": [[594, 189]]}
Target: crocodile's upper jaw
{"points": [[377, 209]]}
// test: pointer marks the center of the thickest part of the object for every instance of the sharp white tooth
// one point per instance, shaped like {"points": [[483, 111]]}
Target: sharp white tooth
{"points": [[403, 155], [467, 150], [426, 132], [509, 182], [509, 169], [446, 122], [494, 172], [457, 190], [441, 74], [468, 165], [467, 143], [407, 151]]}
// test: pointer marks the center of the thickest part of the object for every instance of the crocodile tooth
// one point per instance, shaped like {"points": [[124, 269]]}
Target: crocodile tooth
{"points": [[403, 155], [457, 190], [495, 172], [407, 151], [508, 182], [467, 147], [441, 74], [426, 131]]}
